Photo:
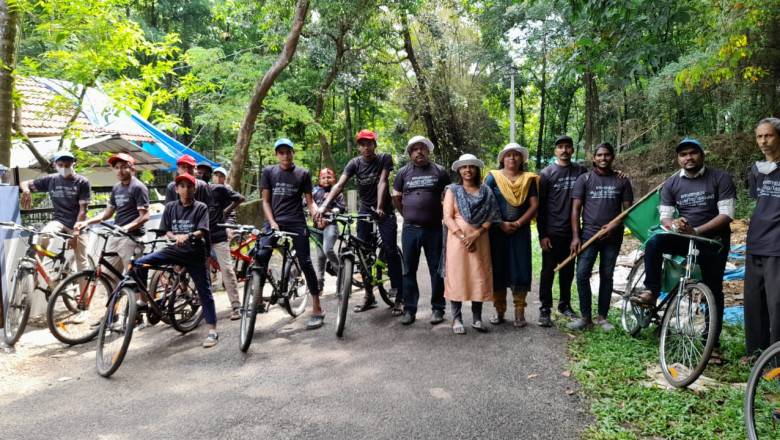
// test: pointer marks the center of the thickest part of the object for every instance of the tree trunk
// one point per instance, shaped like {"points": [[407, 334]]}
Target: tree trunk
{"points": [[261, 90], [592, 127], [8, 18], [319, 107], [522, 119], [46, 165], [543, 89], [348, 124], [427, 113]]}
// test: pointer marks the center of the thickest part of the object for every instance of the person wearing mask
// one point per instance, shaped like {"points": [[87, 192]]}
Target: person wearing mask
{"points": [[417, 193]]}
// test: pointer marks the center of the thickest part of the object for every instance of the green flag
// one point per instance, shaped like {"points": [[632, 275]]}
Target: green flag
{"points": [[644, 215]]}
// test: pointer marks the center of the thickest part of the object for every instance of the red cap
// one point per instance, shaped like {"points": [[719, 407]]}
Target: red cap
{"points": [[124, 157], [185, 176], [366, 134], [327, 171], [186, 160]]}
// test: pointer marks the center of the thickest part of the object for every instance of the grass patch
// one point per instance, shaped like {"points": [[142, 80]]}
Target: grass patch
{"points": [[611, 366]]}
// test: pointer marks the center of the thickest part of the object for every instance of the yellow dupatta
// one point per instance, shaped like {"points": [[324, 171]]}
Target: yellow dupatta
{"points": [[515, 193]]}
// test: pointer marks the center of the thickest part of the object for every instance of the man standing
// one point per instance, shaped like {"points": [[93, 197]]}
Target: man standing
{"points": [[225, 202], [762, 256], [598, 197], [130, 201], [417, 195], [556, 183], [372, 171], [70, 195], [704, 198]]}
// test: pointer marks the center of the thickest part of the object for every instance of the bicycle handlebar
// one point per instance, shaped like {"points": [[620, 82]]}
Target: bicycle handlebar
{"points": [[664, 230], [236, 227], [18, 227]]}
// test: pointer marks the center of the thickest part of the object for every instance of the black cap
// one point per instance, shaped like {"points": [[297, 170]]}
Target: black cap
{"points": [[564, 138]]}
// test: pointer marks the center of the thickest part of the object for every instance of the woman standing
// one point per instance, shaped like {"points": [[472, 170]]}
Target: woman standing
{"points": [[516, 192], [469, 210]]}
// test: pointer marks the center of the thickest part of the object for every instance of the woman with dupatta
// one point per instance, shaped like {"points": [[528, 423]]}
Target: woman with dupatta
{"points": [[469, 211], [517, 194]]}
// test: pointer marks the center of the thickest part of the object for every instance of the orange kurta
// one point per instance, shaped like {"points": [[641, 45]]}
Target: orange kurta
{"points": [[469, 275]]}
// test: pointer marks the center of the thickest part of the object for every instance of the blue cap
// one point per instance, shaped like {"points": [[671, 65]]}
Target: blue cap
{"points": [[285, 142], [689, 142], [63, 154]]}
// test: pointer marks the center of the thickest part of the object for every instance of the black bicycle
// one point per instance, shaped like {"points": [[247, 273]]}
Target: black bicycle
{"points": [[282, 272], [356, 255], [762, 399], [176, 301], [686, 315]]}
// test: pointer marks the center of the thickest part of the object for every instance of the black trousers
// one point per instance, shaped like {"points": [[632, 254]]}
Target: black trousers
{"points": [[558, 253], [762, 302]]}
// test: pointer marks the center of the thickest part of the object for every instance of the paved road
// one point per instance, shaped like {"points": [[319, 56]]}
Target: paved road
{"points": [[381, 380]]}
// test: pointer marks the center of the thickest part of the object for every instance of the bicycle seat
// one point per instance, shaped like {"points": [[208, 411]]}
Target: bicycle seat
{"points": [[158, 232]]}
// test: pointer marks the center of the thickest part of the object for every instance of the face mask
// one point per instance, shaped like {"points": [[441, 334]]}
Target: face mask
{"points": [[65, 172], [765, 167]]}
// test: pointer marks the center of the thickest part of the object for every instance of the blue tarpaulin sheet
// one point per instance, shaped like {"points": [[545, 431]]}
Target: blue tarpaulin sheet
{"points": [[166, 147]]}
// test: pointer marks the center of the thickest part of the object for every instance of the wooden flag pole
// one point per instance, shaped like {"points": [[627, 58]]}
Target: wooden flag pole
{"points": [[617, 219]]}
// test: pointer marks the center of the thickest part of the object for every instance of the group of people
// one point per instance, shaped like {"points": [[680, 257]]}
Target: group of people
{"points": [[475, 233]]}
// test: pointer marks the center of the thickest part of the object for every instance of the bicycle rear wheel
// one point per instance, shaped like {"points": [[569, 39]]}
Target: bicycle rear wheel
{"points": [[687, 334], [762, 399], [343, 289], [253, 291], [76, 307], [18, 310], [297, 295], [630, 312], [383, 278], [116, 330], [184, 308]]}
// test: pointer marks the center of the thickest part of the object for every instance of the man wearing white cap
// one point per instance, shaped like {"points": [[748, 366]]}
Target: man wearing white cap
{"points": [[70, 195], [417, 195]]}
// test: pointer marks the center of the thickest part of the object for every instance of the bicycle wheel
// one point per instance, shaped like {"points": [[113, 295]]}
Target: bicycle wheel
{"points": [[184, 309], [344, 288], [630, 312], [687, 336], [116, 330], [76, 307], [762, 399], [253, 289], [161, 284], [297, 295], [383, 279], [18, 309]]}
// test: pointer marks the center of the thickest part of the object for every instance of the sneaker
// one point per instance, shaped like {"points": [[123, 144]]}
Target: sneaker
{"points": [[142, 305], [211, 339], [571, 314], [579, 324], [544, 319], [408, 318], [82, 317], [603, 323], [236, 314], [437, 317]]}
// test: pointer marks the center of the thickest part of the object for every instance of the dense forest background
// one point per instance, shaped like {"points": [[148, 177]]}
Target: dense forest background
{"points": [[641, 74]]}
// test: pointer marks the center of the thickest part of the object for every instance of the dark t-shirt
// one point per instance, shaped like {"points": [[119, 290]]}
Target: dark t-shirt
{"points": [[287, 188], [223, 196], [422, 189], [319, 197], [181, 219], [368, 174], [697, 199], [602, 200], [202, 194], [763, 237], [127, 199], [556, 184], [66, 195]]}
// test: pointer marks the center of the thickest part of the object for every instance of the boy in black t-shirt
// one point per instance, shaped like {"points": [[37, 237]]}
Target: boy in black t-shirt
{"points": [[283, 185], [186, 221]]}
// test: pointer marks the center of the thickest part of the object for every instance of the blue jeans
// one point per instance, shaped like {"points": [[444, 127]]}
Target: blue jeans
{"points": [[413, 240], [388, 230], [585, 261], [197, 271], [302, 253]]}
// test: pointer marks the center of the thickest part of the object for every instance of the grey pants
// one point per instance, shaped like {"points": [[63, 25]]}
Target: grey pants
{"points": [[329, 236]]}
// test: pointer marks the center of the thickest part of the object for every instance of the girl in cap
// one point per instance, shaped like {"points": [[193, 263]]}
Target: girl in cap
{"points": [[516, 192], [469, 210]]}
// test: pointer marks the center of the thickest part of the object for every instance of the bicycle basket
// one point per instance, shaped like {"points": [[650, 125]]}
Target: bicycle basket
{"points": [[673, 269]]}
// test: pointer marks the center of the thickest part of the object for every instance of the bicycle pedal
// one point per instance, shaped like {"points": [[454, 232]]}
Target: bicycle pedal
{"points": [[261, 308]]}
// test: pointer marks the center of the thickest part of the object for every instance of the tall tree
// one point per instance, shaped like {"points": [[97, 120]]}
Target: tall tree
{"points": [[247, 129], [8, 18]]}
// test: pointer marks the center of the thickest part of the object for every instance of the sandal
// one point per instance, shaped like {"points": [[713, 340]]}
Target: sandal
{"points": [[458, 329], [520, 322], [748, 360], [716, 359], [479, 326], [497, 319], [397, 310], [645, 300], [368, 304]]}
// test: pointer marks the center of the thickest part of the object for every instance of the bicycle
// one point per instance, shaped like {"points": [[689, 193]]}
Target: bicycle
{"points": [[316, 236], [356, 254], [25, 280], [177, 304], [685, 315], [240, 249], [282, 272], [762, 398]]}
